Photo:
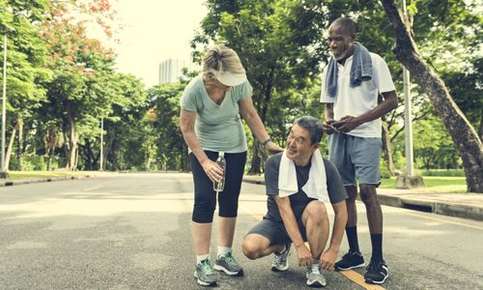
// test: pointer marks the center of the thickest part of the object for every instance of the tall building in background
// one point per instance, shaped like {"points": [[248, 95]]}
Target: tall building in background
{"points": [[170, 70]]}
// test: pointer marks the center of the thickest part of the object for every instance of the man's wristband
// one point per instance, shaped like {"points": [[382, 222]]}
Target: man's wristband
{"points": [[266, 141]]}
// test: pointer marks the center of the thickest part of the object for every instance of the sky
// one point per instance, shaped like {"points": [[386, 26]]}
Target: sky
{"points": [[154, 30]]}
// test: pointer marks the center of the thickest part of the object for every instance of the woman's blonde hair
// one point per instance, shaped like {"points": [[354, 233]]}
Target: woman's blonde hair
{"points": [[221, 58]]}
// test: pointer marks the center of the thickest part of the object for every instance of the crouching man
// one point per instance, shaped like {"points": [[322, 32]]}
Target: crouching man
{"points": [[299, 184]]}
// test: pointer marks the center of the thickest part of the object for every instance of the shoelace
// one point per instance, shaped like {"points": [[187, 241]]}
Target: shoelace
{"points": [[230, 259], [374, 266], [315, 269], [280, 258], [346, 256], [206, 267]]}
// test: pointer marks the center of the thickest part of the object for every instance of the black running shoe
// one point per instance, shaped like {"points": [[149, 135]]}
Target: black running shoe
{"points": [[351, 260], [377, 272]]}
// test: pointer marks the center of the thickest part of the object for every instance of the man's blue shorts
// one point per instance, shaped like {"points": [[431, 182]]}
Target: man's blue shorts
{"points": [[356, 158]]}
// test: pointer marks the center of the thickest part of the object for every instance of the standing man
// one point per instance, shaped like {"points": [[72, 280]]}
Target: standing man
{"points": [[351, 84], [299, 184]]}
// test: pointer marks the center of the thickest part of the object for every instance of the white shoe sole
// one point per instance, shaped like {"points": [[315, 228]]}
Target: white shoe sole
{"points": [[378, 282], [278, 269], [203, 283], [351, 267], [315, 283], [226, 271]]}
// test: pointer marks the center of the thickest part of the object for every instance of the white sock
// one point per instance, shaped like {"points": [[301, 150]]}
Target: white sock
{"points": [[200, 258], [315, 267], [222, 251]]}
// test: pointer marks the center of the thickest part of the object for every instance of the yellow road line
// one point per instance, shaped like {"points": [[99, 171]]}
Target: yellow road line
{"points": [[359, 280]]}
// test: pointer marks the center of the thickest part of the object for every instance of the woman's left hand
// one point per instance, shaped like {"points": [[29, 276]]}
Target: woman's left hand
{"points": [[273, 148]]}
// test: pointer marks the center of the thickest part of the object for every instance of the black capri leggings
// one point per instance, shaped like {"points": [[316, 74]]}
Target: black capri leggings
{"points": [[205, 196]]}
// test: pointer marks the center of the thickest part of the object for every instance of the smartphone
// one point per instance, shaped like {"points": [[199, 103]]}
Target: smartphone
{"points": [[332, 127]]}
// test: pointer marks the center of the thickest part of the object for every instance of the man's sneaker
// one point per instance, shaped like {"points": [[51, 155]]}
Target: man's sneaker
{"points": [[229, 265], [377, 272], [280, 261], [351, 260], [205, 274], [315, 278]]}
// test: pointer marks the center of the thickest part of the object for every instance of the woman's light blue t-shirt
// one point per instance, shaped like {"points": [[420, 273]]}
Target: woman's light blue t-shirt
{"points": [[218, 127]]}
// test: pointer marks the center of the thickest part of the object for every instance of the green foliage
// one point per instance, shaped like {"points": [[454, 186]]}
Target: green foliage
{"points": [[443, 184], [26, 55], [384, 170], [165, 110], [279, 44], [433, 147], [125, 128], [61, 84], [29, 162]]}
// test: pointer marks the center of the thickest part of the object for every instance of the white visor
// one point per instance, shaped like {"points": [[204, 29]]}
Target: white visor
{"points": [[230, 79]]}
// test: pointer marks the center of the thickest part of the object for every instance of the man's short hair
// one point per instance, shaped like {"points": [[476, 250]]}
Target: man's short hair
{"points": [[313, 125], [348, 25]]}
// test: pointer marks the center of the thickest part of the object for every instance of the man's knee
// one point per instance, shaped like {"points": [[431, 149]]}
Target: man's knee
{"points": [[316, 211], [252, 247], [351, 193], [368, 194]]}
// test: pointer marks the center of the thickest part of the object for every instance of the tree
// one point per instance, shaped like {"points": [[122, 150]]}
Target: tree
{"points": [[26, 70], [433, 148], [463, 134], [125, 126], [278, 43], [165, 110], [467, 89], [82, 90]]}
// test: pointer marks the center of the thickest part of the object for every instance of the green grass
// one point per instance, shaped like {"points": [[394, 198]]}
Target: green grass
{"points": [[434, 183], [442, 172]]}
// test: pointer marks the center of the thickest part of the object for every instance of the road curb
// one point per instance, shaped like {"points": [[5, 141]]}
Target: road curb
{"points": [[41, 180], [437, 207]]}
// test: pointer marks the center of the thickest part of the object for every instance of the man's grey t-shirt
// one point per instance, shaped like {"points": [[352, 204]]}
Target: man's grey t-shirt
{"points": [[299, 201]]}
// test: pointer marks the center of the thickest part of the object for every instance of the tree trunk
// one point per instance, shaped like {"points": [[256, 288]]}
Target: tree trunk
{"points": [[387, 149], [10, 148], [185, 160], [50, 144], [76, 160], [88, 155], [481, 125], [109, 154], [20, 147], [66, 147], [463, 134], [72, 152], [256, 162]]}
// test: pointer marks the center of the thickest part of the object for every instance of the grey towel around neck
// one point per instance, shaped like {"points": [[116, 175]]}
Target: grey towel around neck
{"points": [[361, 69]]}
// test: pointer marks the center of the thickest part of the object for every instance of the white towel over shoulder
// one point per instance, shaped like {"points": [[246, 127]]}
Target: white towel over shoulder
{"points": [[316, 186]]}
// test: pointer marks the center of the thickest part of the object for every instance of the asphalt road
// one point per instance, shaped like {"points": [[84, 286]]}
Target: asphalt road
{"points": [[132, 231]]}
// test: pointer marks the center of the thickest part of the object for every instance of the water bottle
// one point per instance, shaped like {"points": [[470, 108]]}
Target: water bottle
{"points": [[219, 185]]}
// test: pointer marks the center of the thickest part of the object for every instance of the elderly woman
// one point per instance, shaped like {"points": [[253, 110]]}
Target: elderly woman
{"points": [[210, 121]]}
